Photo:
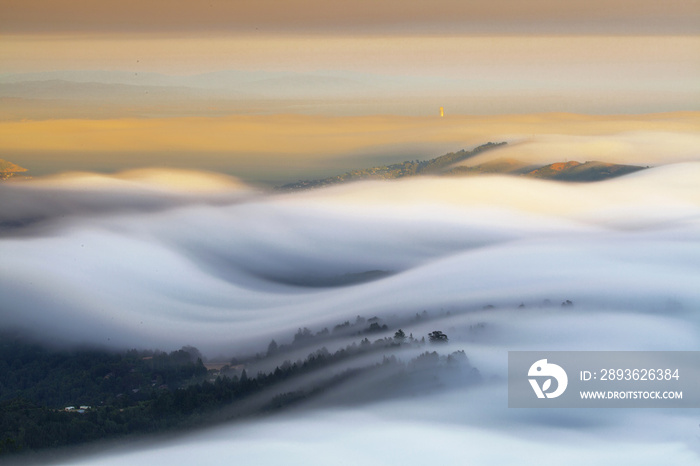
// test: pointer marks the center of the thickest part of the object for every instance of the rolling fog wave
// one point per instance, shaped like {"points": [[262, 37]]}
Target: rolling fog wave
{"points": [[142, 268], [128, 263]]}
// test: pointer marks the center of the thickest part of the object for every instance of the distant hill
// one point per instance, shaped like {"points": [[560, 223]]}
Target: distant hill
{"points": [[562, 171], [589, 171], [445, 166], [8, 169], [434, 166]]}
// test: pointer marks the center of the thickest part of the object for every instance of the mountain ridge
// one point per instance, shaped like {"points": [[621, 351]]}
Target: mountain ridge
{"points": [[570, 171], [397, 170]]}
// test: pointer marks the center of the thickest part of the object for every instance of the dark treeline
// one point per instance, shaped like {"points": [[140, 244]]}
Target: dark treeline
{"points": [[51, 398], [358, 327], [57, 379]]}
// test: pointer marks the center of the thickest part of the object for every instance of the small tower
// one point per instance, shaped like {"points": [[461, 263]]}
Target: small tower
{"points": [[442, 112]]}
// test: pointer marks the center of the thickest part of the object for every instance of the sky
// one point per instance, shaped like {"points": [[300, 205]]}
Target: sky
{"points": [[408, 37], [623, 17], [245, 77]]}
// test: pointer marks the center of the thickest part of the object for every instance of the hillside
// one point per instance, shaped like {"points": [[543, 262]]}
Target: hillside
{"points": [[589, 171], [434, 166], [445, 166], [55, 397], [8, 169]]}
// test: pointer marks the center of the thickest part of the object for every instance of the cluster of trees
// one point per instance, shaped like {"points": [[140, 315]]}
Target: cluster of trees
{"points": [[305, 337], [92, 377], [150, 391]]}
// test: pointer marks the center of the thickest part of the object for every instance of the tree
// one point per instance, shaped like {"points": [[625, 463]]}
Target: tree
{"points": [[272, 348], [400, 336], [193, 352], [458, 357], [437, 337], [375, 327], [302, 334]]}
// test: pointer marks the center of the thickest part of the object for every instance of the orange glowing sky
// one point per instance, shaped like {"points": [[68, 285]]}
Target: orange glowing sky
{"points": [[413, 36], [402, 60]]}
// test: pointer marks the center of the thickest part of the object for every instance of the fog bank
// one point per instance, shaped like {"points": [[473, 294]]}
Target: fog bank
{"points": [[123, 263]]}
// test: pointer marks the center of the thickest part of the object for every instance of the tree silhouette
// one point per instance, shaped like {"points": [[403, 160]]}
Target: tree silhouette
{"points": [[303, 334], [400, 336], [437, 337], [272, 348]]}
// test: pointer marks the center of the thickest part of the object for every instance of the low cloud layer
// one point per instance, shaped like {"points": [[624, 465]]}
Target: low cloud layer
{"points": [[379, 436], [641, 148], [217, 272], [159, 268]]}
